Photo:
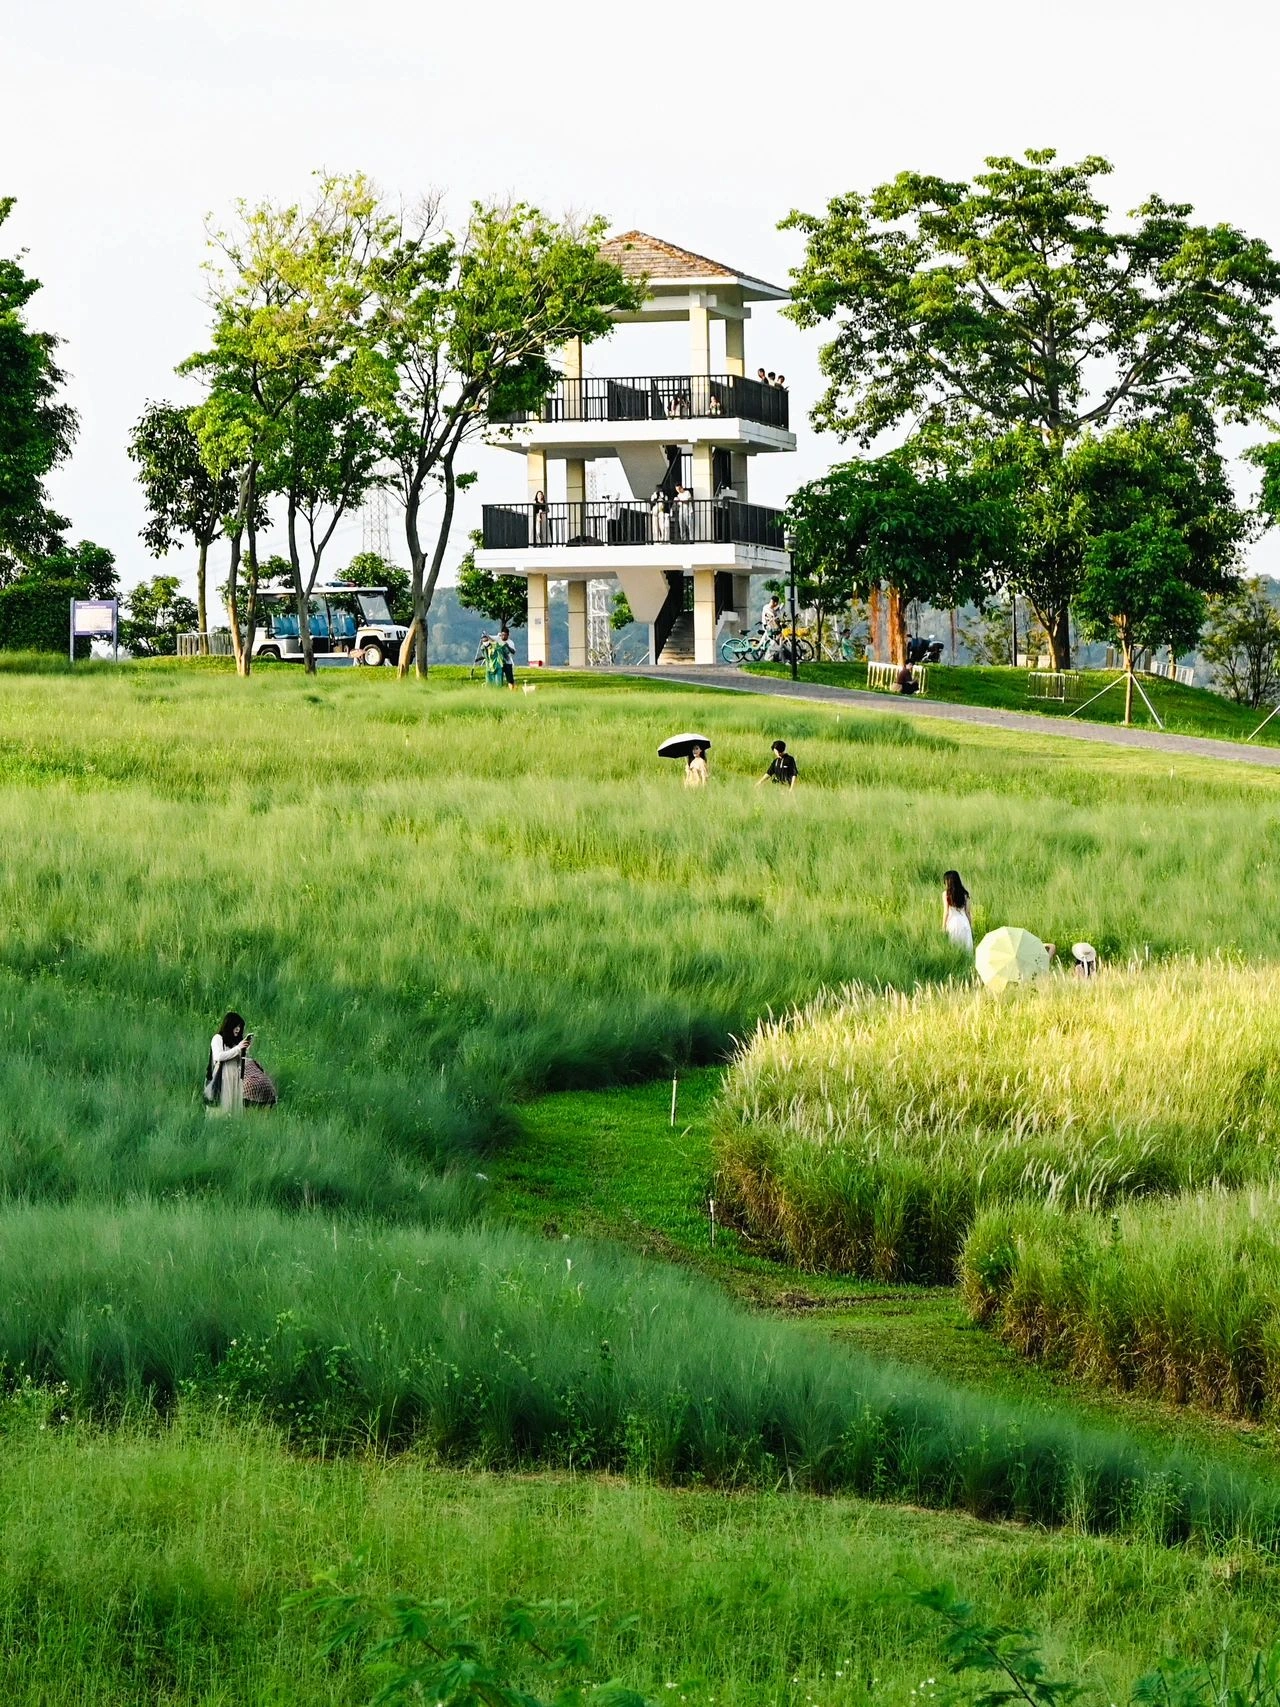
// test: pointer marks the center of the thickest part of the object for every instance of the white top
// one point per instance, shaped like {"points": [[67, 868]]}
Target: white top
{"points": [[221, 1051], [770, 615], [959, 929]]}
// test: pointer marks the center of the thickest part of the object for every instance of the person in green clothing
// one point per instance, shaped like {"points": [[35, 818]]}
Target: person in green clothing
{"points": [[500, 660]]}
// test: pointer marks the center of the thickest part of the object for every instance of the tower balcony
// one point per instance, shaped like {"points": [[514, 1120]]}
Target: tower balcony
{"points": [[594, 415], [610, 523]]}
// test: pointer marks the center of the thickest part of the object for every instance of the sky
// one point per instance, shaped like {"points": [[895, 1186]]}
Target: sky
{"points": [[124, 126]]}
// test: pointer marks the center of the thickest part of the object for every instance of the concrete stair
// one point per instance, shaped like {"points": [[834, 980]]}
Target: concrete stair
{"points": [[678, 647]]}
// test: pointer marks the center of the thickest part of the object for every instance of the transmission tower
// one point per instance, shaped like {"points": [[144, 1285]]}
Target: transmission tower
{"points": [[375, 525]]}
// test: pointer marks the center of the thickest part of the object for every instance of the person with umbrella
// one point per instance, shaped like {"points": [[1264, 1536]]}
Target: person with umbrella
{"points": [[692, 748]]}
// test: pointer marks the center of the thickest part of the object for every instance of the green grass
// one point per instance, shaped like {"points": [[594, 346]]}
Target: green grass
{"points": [[1182, 710], [492, 1350], [863, 1135], [433, 906], [137, 1566], [1180, 1299]]}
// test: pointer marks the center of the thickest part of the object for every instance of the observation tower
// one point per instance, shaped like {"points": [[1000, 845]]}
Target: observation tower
{"points": [[684, 539]]}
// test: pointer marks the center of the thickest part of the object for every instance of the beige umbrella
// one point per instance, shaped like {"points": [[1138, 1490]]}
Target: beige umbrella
{"points": [[1010, 955]]}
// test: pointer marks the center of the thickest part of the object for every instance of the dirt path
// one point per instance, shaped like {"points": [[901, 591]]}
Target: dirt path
{"points": [[1108, 734]]}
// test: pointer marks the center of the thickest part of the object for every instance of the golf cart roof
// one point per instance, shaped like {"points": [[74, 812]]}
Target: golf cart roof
{"points": [[331, 589]]}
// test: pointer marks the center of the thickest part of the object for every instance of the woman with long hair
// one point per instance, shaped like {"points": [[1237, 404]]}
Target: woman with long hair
{"points": [[695, 770], [224, 1081], [957, 914]]}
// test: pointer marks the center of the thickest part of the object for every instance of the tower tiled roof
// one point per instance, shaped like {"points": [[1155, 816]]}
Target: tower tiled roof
{"points": [[641, 255]]}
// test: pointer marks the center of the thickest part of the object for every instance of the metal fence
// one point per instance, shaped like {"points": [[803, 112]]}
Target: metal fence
{"points": [[665, 397], [217, 644], [624, 521]]}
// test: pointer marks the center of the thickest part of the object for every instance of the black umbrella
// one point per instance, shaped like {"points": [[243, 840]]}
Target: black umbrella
{"points": [[681, 746]]}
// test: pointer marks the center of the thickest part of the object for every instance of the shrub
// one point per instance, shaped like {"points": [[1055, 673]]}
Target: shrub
{"points": [[1177, 1299], [865, 1133], [35, 616]]}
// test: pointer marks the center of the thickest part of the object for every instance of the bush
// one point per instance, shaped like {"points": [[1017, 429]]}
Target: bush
{"points": [[491, 1349], [1180, 1300], [865, 1134], [35, 616]]}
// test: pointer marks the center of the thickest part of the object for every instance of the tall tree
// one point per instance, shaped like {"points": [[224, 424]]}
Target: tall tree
{"points": [[938, 538], [330, 445], [504, 599], [155, 613], [472, 321], [291, 297], [37, 429], [1018, 301], [1242, 643], [184, 500]]}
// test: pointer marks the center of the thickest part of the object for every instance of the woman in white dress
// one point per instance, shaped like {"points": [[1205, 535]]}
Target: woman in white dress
{"points": [[224, 1086], [695, 771], [957, 914]]}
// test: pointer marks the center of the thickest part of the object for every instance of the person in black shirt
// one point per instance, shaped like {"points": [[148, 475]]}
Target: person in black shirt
{"points": [[783, 769]]}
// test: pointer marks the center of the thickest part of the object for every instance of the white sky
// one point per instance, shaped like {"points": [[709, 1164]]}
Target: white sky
{"points": [[123, 124]]}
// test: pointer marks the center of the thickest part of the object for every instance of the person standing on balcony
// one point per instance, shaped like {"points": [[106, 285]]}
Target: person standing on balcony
{"points": [[659, 517], [684, 513], [762, 377], [539, 518]]}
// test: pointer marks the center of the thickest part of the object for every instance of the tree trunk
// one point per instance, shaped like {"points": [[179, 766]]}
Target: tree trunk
{"points": [[233, 607], [244, 660], [202, 604], [953, 634], [873, 624], [1058, 628], [424, 579], [897, 627], [301, 594], [1126, 641]]}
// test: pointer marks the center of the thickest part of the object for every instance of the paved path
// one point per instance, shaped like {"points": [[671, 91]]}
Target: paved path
{"points": [[732, 680]]}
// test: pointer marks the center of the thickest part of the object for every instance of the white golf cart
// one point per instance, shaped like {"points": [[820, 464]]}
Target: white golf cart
{"points": [[353, 622]]}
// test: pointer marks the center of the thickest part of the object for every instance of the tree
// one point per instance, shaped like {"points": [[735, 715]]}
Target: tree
{"points": [[1164, 531], [155, 614], [935, 538], [1242, 643], [471, 322], [330, 446], [90, 566], [1016, 303], [291, 297], [184, 500], [367, 569], [37, 429]]}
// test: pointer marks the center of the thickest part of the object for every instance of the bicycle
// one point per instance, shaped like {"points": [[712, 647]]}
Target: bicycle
{"points": [[745, 648]]}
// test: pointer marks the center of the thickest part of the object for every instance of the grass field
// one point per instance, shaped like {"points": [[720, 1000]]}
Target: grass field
{"points": [[434, 907], [863, 1135], [1181, 710]]}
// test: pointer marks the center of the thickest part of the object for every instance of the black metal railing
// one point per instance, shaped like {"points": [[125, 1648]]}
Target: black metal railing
{"points": [[669, 397], [627, 521]]}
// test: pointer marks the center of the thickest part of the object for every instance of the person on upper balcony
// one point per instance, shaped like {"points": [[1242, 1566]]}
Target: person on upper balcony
{"points": [[683, 512]]}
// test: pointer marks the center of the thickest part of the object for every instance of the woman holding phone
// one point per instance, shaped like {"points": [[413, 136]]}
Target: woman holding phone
{"points": [[224, 1080]]}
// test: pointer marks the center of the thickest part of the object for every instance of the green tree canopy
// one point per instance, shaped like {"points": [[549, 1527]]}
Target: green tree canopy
{"points": [[37, 429], [155, 613], [939, 538], [368, 569], [473, 321], [503, 599], [1242, 643], [1018, 307]]}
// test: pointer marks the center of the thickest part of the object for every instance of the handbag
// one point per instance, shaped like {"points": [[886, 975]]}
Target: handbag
{"points": [[213, 1081]]}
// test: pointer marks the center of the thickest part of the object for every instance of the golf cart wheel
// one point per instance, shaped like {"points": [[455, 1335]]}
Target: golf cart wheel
{"points": [[270, 652], [371, 653]]}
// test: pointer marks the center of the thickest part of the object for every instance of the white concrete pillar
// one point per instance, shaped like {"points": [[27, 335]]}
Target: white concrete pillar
{"points": [[739, 465], [571, 356], [539, 621], [699, 336], [577, 591], [575, 492], [734, 347], [703, 479], [704, 616], [535, 463]]}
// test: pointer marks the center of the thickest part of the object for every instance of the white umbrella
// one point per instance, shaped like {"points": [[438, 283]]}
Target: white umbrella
{"points": [[681, 746], [1010, 955]]}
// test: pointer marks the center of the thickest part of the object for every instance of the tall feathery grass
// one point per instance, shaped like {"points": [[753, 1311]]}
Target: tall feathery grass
{"points": [[865, 1134], [432, 903], [489, 1349], [1176, 1299]]}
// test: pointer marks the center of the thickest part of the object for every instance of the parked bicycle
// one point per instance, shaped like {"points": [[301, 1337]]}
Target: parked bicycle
{"points": [[761, 647]]}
